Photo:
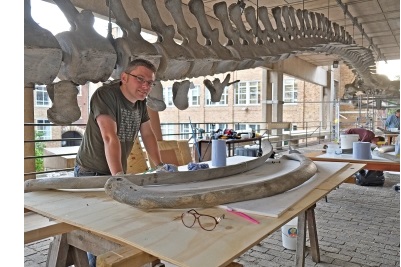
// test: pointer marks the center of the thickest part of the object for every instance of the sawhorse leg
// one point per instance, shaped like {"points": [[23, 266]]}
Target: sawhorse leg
{"points": [[70, 249], [307, 218]]}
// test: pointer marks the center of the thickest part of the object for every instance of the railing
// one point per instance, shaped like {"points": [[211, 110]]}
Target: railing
{"points": [[301, 135]]}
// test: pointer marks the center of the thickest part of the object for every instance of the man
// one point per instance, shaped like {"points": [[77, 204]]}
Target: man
{"points": [[117, 113], [365, 135], [393, 121]]}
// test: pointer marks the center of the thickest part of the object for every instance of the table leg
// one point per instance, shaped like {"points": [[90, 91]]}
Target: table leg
{"points": [[314, 243], [301, 240], [58, 252], [307, 218]]}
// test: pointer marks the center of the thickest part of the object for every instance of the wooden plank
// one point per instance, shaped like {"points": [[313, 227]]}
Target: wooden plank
{"points": [[37, 227], [338, 179], [124, 256], [373, 164]]}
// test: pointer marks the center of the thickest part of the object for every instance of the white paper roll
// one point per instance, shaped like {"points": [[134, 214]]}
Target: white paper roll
{"points": [[219, 155], [361, 150]]}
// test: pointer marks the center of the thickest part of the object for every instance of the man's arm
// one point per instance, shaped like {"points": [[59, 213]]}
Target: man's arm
{"points": [[150, 142], [112, 147], [388, 121]]}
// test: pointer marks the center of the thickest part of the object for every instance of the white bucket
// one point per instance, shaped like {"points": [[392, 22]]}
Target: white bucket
{"points": [[332, 149], [289, 234], [347, 140]]}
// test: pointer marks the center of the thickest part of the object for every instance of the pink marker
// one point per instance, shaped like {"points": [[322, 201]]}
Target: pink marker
{"points": [[243, 215]]}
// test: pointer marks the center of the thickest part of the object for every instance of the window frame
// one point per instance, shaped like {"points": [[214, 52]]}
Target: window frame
{"points": [[244, 90]]}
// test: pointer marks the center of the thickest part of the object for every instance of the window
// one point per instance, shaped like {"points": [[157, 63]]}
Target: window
{"points": [[223, 99], [194, 96], [246, 127], [41, 96], [247, 93], [185, 130], [168, 131], [43, 131], [290, 90], [168, 96]]}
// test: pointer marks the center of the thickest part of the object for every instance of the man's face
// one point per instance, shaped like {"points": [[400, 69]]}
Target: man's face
{"points": [[138, 83], [397, 114]]}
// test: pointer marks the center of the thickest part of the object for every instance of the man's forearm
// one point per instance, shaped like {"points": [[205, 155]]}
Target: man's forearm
{"points": [[113, 156]]}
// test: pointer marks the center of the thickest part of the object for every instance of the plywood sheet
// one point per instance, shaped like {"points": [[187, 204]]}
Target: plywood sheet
{"points": [[275, 206], [350, 157]]}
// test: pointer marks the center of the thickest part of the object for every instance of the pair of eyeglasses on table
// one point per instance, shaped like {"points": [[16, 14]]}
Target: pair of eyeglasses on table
{"points": [[206, 222]]}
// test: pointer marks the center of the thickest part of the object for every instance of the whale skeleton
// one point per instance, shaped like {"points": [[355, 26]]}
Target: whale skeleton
{"points": [[81, 55]]}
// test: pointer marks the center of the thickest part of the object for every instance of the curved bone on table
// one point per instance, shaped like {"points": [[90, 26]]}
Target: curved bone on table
{"points": [[123, 191], [151, 178]]}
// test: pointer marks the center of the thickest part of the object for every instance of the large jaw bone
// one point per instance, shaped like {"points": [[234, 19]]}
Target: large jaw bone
{"points": [[123, 191], [42, 52], [176, 60], [65, 109], [132, 45], [151, 178], [204, 58], [228, 61]]}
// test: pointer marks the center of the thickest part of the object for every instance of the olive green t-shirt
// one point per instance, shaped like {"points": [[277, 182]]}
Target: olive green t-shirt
{"points": [[109, 100]]}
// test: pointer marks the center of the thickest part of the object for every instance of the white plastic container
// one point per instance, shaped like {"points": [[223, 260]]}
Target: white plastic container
{"points": [[347, 140], [332, 149], [289, 234]]}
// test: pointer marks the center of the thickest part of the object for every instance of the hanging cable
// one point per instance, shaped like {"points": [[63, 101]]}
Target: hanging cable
{"points": [[257, 21], [109, 28], [328, 9]]}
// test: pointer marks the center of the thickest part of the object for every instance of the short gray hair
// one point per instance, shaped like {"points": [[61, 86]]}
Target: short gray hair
{"points": [[140, 62]]}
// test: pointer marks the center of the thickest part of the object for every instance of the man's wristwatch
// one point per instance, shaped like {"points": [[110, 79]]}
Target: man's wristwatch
{"points": [[161, 164]]}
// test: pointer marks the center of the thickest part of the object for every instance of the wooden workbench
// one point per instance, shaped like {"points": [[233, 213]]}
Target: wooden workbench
{"points": [[161, 233]]}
